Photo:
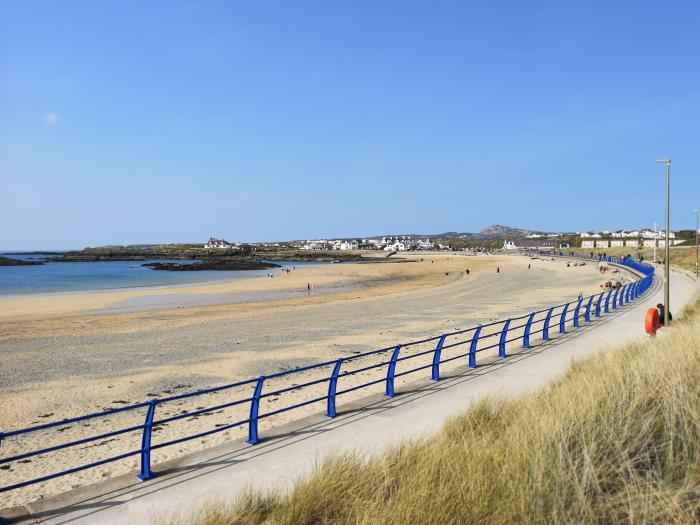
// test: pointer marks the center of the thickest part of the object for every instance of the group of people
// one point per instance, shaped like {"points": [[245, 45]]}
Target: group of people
{"points": [[284, 270], [610, 286]]}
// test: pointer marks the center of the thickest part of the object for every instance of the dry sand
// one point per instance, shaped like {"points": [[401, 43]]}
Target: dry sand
{"points": [[59, 359]]}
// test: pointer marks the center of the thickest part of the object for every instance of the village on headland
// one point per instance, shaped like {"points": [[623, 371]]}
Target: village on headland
{"points": [[220, 254]]}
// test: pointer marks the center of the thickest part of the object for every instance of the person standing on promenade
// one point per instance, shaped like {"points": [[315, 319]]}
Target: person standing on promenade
{"points": [[662, 314]]}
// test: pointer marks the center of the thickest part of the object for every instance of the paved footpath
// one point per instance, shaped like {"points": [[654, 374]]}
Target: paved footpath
{"points": [[368, 428]]}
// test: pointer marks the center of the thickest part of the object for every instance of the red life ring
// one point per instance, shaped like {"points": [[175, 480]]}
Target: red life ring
{"points": [[651, 323]]}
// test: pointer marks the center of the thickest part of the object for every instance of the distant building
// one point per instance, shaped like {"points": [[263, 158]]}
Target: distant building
{"points": [[348, 245], [424, 245], [509, 245], [587, 244], [218, 244], [397, 246]]}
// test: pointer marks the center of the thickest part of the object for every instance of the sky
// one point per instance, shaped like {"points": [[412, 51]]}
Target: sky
{"points": [[164, 121]]}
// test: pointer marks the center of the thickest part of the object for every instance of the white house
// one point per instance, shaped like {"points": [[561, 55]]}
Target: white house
{"points": [[348, 245], [509, 245], [617, 243], [217, 243], [587, 244], [634, 243], [315, 245], [397, 246]]}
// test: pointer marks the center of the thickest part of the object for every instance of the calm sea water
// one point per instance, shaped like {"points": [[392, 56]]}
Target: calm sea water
{"points": [[84, 276]]}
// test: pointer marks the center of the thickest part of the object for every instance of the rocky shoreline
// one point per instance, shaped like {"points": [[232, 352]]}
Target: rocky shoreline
{"points": [[218, 264], [7, 261], [188, 252]]}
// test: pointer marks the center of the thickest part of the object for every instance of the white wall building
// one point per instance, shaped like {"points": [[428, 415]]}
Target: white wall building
{"points": [[348, 245], [397, 246], [213, 243]]}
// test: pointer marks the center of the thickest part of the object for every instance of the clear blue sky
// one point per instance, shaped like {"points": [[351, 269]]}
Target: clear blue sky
{"points": [[127, 122]]}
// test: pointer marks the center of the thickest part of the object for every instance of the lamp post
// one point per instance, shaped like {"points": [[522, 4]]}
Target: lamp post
{"points": [[667, 255], [696, 242]]}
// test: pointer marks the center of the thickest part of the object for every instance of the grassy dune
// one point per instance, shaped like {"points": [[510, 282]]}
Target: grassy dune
{"points": [[616, 440]]}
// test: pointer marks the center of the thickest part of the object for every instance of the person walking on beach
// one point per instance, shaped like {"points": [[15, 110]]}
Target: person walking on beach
{"points": [[528, 266], [308, 287], [498, 269]]}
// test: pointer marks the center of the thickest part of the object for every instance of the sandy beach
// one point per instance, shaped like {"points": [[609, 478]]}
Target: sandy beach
{"points": [[69, 354]]}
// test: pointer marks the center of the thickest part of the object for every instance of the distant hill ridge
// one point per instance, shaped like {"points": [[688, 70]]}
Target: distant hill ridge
{"points": [[498, 230], [494, 231]]}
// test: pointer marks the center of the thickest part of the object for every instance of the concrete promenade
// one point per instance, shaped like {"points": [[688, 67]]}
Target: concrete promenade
{"points": [[368, 428]]}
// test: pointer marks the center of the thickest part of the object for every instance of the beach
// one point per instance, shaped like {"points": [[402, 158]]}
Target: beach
{"points": [[76, 353]]}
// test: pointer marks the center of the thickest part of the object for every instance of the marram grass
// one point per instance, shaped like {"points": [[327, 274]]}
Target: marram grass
{"points": [[616, 440]]}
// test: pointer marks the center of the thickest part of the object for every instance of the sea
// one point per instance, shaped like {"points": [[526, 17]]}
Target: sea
{"points": [[62, 277]]}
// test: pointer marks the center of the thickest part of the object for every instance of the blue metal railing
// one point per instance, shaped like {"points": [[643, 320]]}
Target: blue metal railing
{"points": [[482, 338]]}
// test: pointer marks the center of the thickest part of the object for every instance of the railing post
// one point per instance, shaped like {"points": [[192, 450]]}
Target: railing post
{"points": [[587, 314], [562, 319], [254, 407], [598, 303], [472, 347], [577, 312], [545, 329], [606, 309], [622, 295], [502, 341], [332, 384], [146, 472], [528, 328], [435, 375], [391, 370], [614, 301]]}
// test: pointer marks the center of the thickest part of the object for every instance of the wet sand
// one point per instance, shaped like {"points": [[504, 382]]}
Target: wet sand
{"points": [[60, 360]]}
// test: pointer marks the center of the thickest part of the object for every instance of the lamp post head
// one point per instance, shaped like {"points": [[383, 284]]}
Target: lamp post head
{"points": [[664, 161]]}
